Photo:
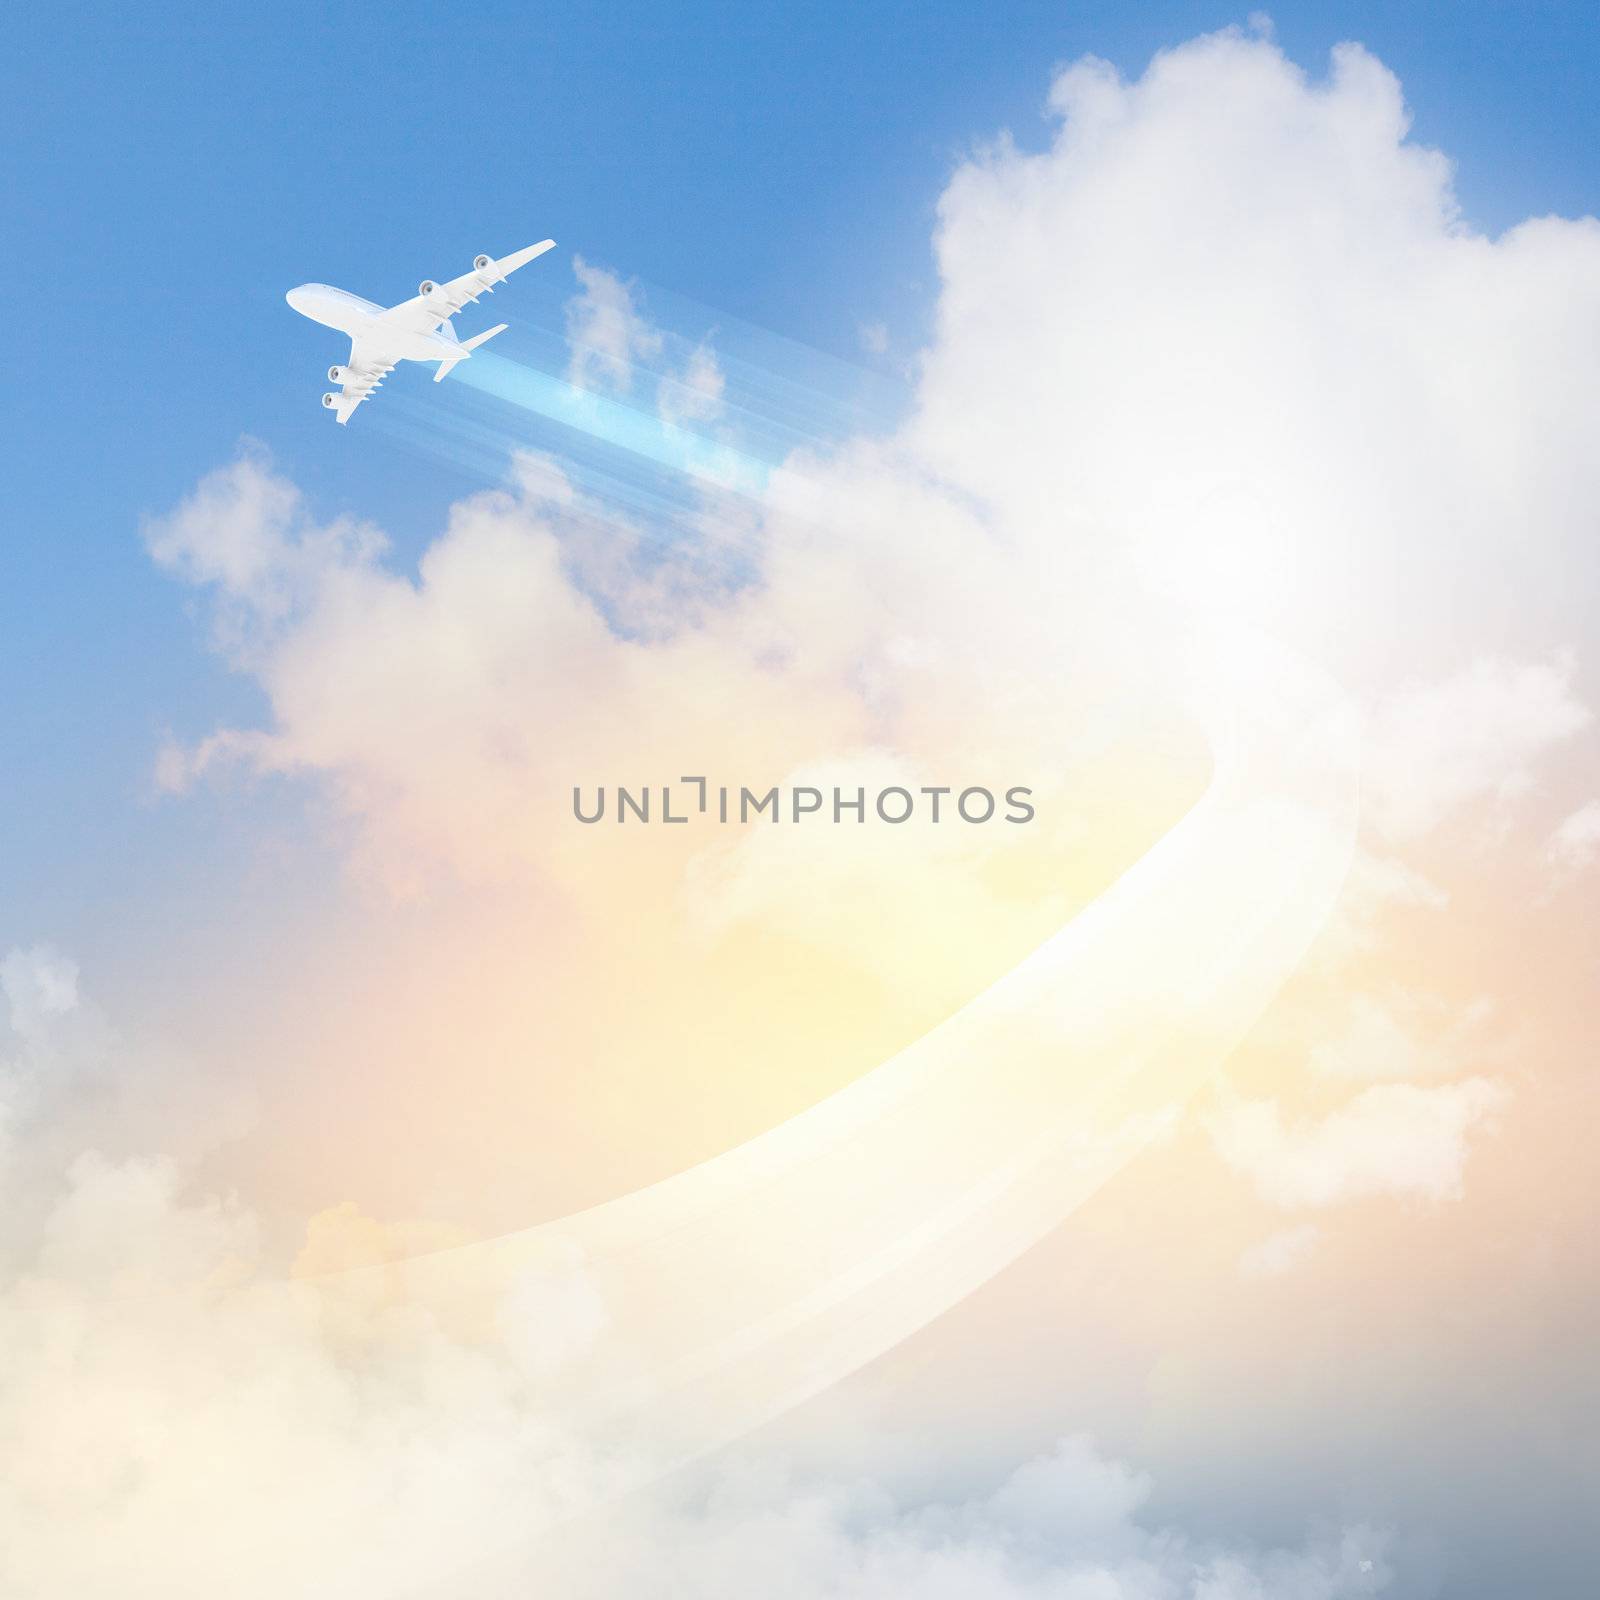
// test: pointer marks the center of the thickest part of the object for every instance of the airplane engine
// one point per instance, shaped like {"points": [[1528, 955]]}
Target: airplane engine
{"points": [[482, 264], [426, 287], [338, 375], [330, 401]]}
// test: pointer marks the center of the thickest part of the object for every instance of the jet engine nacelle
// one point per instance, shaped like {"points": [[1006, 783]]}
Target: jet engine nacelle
{"points": [[330, 401], [338, 375], [483, 265], [426, 287]]}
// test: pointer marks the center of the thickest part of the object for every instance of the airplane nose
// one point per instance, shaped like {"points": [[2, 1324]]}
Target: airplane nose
{"points": [[297, 298]]}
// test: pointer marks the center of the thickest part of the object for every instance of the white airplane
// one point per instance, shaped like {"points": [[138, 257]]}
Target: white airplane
{"points": [[415, 330]]}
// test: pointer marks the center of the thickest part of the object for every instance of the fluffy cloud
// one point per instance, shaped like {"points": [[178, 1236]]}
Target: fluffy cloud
{"points": [[611, 339], [1399, 1034], [1393, 1139], [367, 669], [246, 535], [38, 984], [1437, 748], [1232, 321], [696, 394], [607, 333], [1069, 1525], [1575, 844], [176, 1421]]}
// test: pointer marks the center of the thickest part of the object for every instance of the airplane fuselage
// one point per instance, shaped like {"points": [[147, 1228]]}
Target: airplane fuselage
{"points": [[349, 313]]}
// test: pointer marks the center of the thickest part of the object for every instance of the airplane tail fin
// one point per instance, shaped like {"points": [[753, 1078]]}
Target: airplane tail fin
{"points": [[466, 345], [484, 338]]}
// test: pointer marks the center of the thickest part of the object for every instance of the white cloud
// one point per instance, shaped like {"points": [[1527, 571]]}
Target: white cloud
{"points": [[609, 338], [38, 984], [1393, 1139], [1377, 889], [119, 1228], [1575, 844], [1437, 748], [1225, 283], [607, 332], [168, 1409], [1067, 1526], [246, 535], [695, 394], [1399, 1034]]}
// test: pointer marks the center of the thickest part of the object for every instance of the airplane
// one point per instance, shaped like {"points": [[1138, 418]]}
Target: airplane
{"points": [[415, 330]]}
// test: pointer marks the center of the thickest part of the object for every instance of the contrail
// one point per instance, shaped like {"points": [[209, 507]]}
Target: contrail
{"points": [[618, 423]]}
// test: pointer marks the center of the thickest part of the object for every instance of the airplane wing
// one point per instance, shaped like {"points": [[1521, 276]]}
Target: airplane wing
{"points": [[367, 368], [439, 302]]}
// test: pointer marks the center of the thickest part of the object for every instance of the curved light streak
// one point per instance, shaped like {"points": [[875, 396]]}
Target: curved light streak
{"points": [[730, 1292]]}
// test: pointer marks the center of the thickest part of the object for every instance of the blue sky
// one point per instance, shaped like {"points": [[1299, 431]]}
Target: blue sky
{"points": [[175, 168]]}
